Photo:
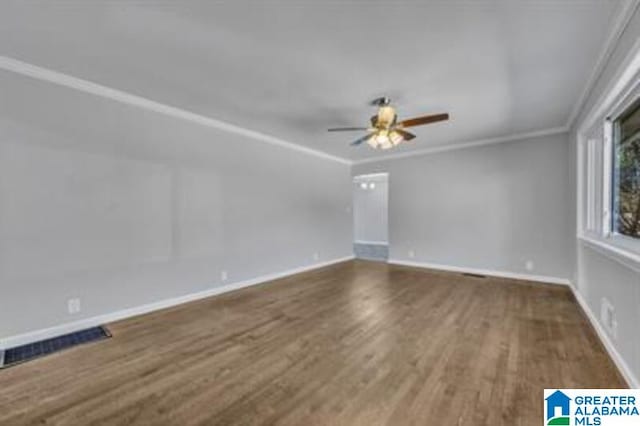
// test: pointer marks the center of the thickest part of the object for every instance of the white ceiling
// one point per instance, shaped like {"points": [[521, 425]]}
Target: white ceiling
{"points": [[291, 69]]}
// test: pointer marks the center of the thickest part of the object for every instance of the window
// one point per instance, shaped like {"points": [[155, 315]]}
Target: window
{"points": [[626, 173], [608, 170]]}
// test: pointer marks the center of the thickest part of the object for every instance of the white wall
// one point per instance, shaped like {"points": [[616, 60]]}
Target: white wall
{"points": [[370, 209], [121, 206], [493, 207], [598, 274]]}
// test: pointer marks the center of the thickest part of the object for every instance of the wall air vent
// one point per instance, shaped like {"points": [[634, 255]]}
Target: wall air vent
{"points": [[608, 317], [469, 274], [24, 353]]}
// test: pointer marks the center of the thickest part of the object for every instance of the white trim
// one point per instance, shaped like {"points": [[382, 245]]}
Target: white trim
{"points": [[372, 176], [66, 80], [472, 144], [374, 243], [620, 23], [607, 182], [493, 273], [618, 360], [615, 356], [37, 335], [580, 153], [619, 89], [626, 258], [591, 184], [55, 77], [620, 85]]}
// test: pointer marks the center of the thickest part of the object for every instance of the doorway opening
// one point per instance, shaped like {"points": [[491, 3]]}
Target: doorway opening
{"points": [[371, 216]]}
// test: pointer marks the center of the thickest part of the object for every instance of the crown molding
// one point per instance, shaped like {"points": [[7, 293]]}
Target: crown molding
{"points": [[66, 80], [624, 81], [472, 144], [13, 65], [620, 23]]}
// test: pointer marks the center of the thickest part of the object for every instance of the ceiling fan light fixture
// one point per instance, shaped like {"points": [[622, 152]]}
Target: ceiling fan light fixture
{"points": [[382, 137], [395, 138], [386, 145], [385, 131], [381, 140]]}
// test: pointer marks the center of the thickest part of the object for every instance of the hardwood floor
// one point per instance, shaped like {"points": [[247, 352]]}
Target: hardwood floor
{"points": [[357, 343]]}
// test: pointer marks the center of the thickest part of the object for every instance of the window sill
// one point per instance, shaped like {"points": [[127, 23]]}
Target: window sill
{"points": [[623, 255]]}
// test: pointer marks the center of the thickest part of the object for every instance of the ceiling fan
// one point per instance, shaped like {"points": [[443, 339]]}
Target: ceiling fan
{"points": [[386, 131]]}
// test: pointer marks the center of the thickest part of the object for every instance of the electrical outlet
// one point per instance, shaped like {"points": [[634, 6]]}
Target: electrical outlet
{"points": [[529, 265], [412, 254], [73, 305], [224, 276], [316, 256]]}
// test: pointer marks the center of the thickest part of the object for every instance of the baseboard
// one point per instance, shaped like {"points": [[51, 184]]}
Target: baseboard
{"points": [[38, 335], [501, 274], [623, 367]]}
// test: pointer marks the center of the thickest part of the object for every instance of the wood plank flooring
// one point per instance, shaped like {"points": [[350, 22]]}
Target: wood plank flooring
{"points": [[358, 343]]}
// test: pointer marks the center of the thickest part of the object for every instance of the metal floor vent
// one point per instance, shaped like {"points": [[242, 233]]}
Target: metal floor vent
{"points": [[469, 274], [17, 355]]}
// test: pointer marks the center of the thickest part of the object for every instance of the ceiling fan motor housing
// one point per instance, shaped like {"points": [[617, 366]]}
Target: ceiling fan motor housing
{"points": [[386, 117], [383, 101]]}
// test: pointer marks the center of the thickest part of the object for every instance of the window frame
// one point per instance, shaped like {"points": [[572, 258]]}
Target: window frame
{"points": [[602, 236], [622, 88], [609, 173]]}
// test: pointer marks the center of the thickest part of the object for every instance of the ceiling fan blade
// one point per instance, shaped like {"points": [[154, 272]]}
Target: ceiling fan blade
{"points": [[427, 119], [347, 129], [405, 135], [362, 139]]}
